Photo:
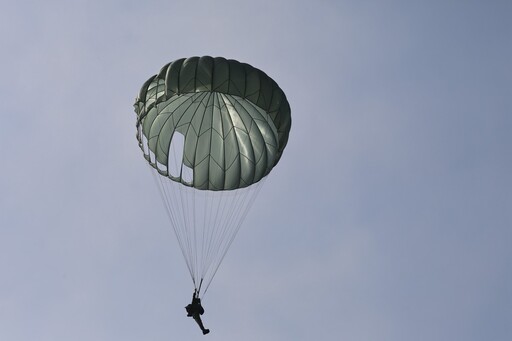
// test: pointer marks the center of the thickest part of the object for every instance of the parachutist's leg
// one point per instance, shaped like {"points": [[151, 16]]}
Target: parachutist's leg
{"points": [[197, 318]]}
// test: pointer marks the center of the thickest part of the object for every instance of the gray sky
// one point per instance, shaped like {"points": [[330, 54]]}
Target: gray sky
{"points": [[389, 216]]}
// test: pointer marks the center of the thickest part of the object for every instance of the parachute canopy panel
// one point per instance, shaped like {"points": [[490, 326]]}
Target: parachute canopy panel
{"points": [[212, 123]]}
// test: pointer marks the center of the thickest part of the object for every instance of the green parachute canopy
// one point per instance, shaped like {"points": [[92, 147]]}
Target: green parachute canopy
{"points": [[212, 129], [231, 119]]}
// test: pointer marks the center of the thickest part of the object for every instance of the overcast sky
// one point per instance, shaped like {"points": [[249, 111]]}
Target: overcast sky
{"points": [[388, 218]]}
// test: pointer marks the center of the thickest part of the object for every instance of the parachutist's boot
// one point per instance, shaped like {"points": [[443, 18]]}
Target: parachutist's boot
{"points": [[206, 331]]}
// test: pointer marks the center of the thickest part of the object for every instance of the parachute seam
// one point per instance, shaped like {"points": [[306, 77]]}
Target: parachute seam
{"points": [[196, 147], [236, 138], [248, 136], [223, 147]]}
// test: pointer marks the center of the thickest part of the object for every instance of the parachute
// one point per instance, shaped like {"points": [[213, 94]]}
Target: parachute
{"points": [[211, 129]]}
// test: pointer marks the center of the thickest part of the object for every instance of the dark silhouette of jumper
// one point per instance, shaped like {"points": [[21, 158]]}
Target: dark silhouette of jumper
{"points": [[195, 310]]}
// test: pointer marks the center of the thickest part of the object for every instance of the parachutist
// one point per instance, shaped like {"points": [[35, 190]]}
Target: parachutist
{"points": [[195, 310]]}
